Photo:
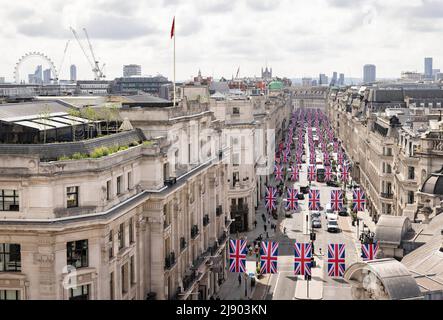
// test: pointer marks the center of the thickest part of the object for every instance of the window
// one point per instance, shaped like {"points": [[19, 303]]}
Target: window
{"points": [[129, 180], [9, 200], [411, 199], [9, 295], [111, 286], [77, 253], [132, 270], [124, 279], [111, 244], [108, 190], [236, 110], [411, 173], [121, 236], [131, 230], [10, 257], [79, 293], [119, 185], [72, 197]]}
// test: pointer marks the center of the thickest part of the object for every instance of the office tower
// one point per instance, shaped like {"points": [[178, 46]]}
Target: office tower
{"points": [[334, 79], [73, 72], [132, 70], [369, 73], [47, 76], [341, 79], [323, 79], [428, 67]]}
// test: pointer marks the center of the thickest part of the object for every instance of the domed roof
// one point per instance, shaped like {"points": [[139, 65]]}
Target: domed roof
{"points": [[276, 85], [434, 183]]}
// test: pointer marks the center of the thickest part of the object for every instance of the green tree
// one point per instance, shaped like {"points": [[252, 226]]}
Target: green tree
{"points": [[44, 116], [73, 113]]}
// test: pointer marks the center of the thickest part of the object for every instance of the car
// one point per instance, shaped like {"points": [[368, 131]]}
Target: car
{"points": [[315, 215], [343, 213], [333, 226], [288, 214], [301, 196], [316, 223], [304, 190], [331, 216], [332, 183]]}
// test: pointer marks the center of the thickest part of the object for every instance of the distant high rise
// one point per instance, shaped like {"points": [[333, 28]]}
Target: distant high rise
{"points": [[2, 79], [334, 79], [428, 67], [37, 76], [341, 79], [369, 73], [322, 79], [73, 72], [47, 76], [132, 70]]}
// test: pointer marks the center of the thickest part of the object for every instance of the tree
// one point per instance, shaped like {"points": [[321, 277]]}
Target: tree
{"points": [[73, 113], [44, 116], [90, 114]]}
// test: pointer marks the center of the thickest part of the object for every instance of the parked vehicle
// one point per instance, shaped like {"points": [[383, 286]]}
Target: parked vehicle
{"points": [[301, 196], [331, 217], [343, 212], [316, 223], [332, 183], [304, 190], [333, 226], [316, 215]]}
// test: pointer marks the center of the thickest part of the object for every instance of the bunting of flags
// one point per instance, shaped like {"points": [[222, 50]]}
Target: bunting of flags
{"points": [[271, 198], [358, 200], [302, 258], [369, 251], [337, 200], [237, 256], [336, 260], [268, 257], [314, 200], [292, 200]]}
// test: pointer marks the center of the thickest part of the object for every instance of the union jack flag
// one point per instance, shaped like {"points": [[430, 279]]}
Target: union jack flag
{"points": [[326, 158], [369, 251], [292, 201], [302, 259], [278, 173], [295, 173], [311, 173], [358, 200], [340, 158], [337, 200], [314, 200], [336, 260], [268, 257], [271, 198], [344, 173], [237, 256], [286, 156], [328, 173]]}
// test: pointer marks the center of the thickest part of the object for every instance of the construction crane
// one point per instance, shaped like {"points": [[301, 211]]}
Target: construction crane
{"points": [[98, 73], [238, 71], [63, 59], [97, 70]]}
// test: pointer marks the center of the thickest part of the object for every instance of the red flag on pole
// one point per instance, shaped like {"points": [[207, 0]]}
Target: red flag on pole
{"points": [[173, 28]]}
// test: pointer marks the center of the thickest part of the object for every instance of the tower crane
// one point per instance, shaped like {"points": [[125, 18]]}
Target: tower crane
{"points": [[63, 58], [98, 73]]}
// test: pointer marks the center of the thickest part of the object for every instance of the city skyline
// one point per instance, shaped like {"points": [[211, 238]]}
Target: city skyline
{"points": [[309, 37]]}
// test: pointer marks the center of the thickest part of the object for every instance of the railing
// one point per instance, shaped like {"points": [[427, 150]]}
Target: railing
{"points": [[183, 243], [387, 195], [189, 280], [194, 231], [169, 261], [206, 220]]}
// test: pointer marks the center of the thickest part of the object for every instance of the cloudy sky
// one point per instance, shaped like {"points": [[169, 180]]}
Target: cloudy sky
{"points": [[296, 37]]}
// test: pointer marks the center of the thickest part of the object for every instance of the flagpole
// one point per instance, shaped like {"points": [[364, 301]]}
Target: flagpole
{"points": [[174, 65]]}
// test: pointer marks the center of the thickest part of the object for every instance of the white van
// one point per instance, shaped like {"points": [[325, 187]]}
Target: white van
{"points": [[331, 217]]}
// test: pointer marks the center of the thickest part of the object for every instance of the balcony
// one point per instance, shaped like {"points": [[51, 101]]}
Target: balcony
{"points": [[183, 243], [206, 220], [194, 231], [219, 211], [387, 195], [170, 261]]}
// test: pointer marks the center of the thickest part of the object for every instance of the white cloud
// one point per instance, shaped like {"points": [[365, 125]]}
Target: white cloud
{"points": [[303, 37]]}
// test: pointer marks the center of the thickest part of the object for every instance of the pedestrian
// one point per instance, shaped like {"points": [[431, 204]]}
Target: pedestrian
{"points": [[264, 226], [269, 220], [267, 235], [255, 223], [284, 230], [239, 279]]}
